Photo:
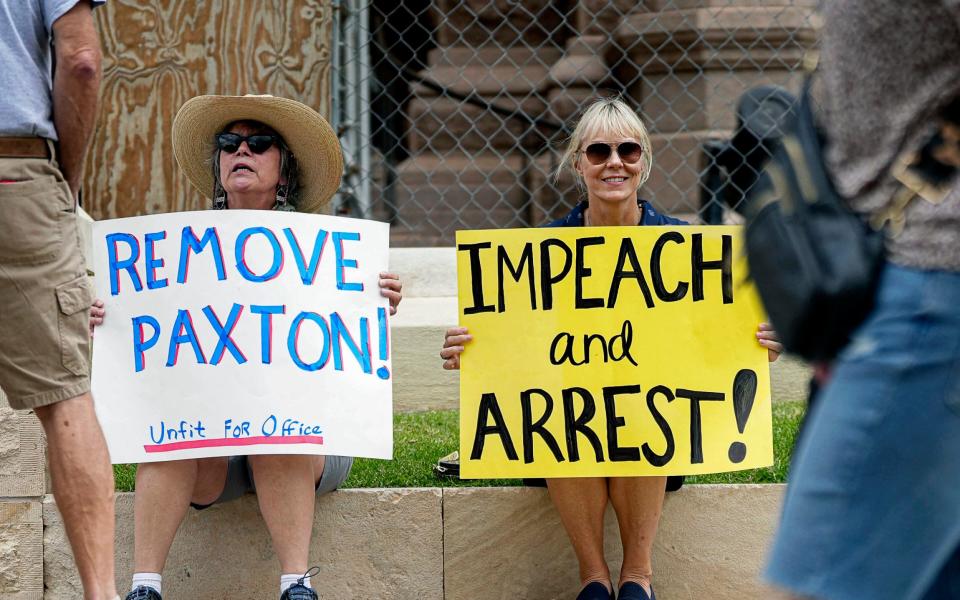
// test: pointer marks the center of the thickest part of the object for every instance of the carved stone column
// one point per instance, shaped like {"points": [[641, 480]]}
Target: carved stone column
{"points": [[470, 164], [593, 65], [697, 58]]}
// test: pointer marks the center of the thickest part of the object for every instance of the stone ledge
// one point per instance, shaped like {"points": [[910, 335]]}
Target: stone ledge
{"points": [[21, 454], [509, 543], [453, 543], [370, 543], [21, 550]]}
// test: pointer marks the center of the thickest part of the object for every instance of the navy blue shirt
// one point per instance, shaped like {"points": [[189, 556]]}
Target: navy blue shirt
{"points": [[648, 216]]}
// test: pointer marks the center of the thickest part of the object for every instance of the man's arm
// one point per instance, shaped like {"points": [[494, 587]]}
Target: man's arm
{"points": [[76, 88]]}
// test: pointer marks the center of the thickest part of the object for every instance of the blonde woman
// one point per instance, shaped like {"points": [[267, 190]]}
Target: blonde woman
{"points": [[609, 152]]}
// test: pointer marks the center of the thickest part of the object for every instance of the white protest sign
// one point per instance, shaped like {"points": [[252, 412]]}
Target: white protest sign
{"points": [[242, 332]]}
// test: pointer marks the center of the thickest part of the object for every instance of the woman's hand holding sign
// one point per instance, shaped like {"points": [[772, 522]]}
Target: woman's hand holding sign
{"points": [[390, 288], [768, 339], [453, 343], [97, 311], [456, 337]]}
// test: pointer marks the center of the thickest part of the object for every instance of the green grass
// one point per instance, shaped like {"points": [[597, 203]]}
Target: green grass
{"points": [[124, 477], [786, 422], [421, 438]]}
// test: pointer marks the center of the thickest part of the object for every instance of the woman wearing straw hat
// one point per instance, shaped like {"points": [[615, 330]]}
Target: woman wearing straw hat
{"points": [[252, 152]]}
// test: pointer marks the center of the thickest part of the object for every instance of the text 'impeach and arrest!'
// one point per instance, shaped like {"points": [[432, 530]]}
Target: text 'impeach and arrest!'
{"points": [[617, 351]]}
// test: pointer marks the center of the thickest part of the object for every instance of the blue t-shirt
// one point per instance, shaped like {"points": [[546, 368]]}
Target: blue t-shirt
{"points": [[26, 29], [648, 216]]}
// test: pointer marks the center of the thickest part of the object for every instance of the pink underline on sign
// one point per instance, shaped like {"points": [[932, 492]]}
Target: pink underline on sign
{"points": [[250, 441]]}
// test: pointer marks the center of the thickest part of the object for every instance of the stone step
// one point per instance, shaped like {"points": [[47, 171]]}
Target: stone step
{"points": [[21, 549], [440, 543], [21, 454], [384, 543]]}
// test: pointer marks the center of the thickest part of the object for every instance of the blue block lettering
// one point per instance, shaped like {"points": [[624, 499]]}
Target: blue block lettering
{"points": [[360, 351], [240, 252], [140, 343], [294, 335], [224, 341], [266, 313], [308, 272], [343, 263], [190, 243], [152, 263], [184, 333], [128, 264]]}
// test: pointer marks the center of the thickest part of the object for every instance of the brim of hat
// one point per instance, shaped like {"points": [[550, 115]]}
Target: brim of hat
{"points": [[308, 135]]}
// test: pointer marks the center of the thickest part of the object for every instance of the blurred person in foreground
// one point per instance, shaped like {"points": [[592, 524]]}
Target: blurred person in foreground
{"points": [[51, 85], [873, 503], [610, 155], [260, 153]]}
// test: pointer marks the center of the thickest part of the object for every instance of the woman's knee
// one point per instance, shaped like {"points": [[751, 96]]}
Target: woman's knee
{"points": [[211, 478]]}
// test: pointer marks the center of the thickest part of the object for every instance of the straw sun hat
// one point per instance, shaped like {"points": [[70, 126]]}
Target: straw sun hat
{"points": [[307, 134]]}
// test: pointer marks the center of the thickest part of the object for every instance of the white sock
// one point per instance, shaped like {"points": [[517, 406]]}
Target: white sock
{"points": [[147, 579], [288, 579]]}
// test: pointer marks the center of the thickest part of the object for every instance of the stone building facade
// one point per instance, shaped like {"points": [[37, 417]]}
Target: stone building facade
{"points": [[535, 63]]}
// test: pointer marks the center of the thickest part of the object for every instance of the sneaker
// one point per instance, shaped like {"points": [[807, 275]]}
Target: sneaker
{"points": [[298, 591], [144, 592]]}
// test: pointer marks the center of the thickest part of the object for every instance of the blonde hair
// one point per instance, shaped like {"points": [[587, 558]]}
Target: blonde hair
{"points": [[607, 116]]}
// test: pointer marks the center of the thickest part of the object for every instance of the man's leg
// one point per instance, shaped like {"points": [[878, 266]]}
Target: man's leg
{"points": [[286, 490], [83, 487]]}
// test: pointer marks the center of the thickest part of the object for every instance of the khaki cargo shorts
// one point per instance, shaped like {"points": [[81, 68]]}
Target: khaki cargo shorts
{"points": [[44, 293]]}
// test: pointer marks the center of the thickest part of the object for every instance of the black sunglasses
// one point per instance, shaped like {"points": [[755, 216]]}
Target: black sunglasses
{"points": [[599, 152], [258, 144]]}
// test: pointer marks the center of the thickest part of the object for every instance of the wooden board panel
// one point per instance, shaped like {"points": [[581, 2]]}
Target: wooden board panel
{"points": [[159, 53]]}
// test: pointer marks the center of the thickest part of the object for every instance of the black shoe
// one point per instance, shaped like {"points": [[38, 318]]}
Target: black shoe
{"points": [[631, 590], [595, 591], [144, 592], [298, 591]]}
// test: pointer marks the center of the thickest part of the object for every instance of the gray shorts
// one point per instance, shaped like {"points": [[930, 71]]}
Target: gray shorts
{"points": [[239, 481]]}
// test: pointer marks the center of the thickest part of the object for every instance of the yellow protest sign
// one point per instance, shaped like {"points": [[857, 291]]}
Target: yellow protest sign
{"points": [[610, 351]]}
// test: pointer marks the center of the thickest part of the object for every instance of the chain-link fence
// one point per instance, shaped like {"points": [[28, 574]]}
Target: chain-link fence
{"points": [[454, 113]]}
